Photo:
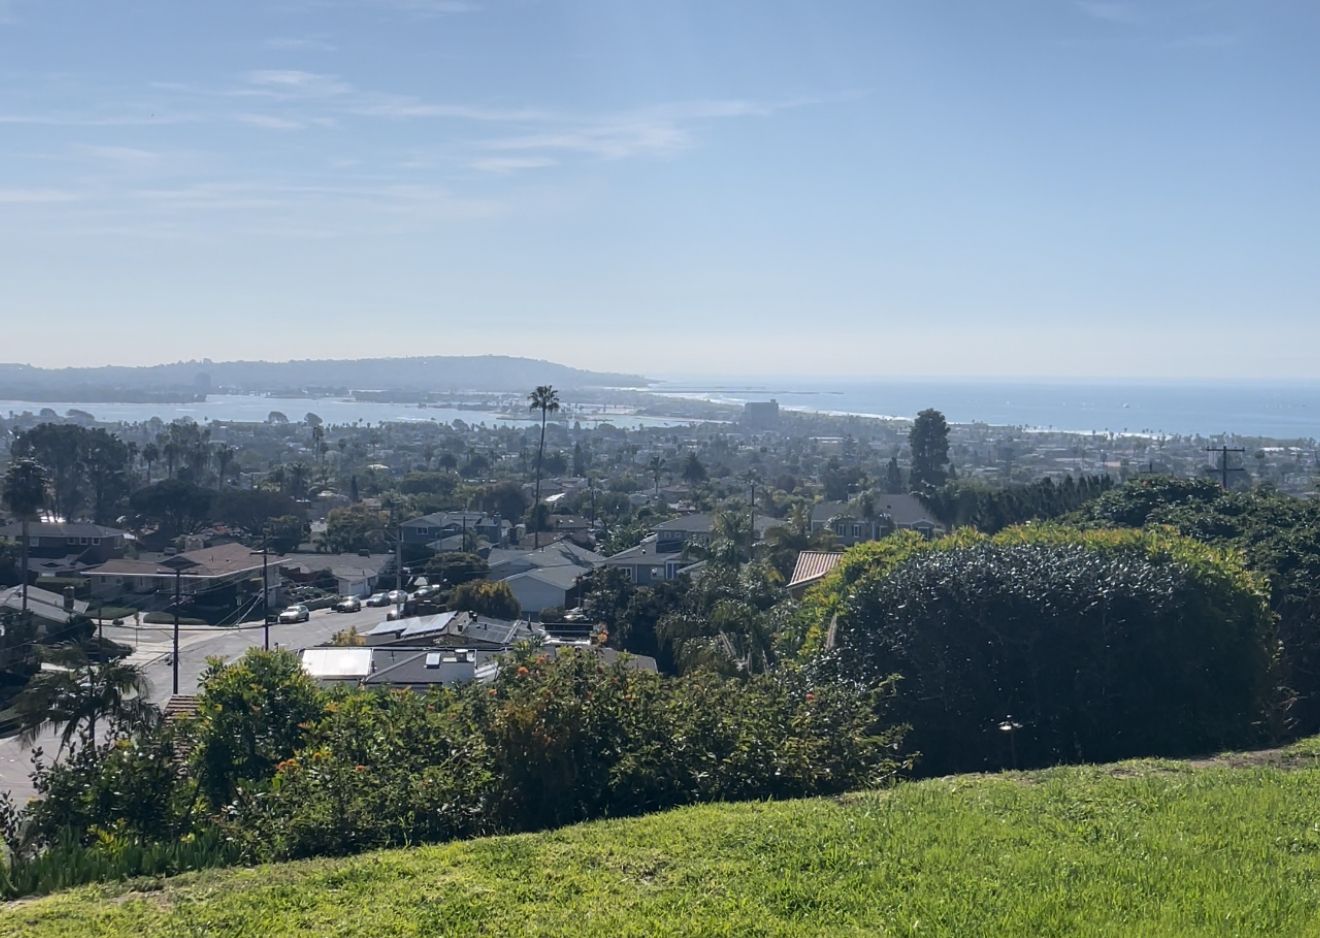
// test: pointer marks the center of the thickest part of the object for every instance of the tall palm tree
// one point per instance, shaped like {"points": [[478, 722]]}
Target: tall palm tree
{"points": [[24, 494], [224, 461], [171, 451], [150, 453], [296, 476], [657, 466], [546, 400], [79, 691]]}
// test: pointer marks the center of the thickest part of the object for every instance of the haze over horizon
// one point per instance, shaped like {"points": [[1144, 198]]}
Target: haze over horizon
{"points": [[1030, 188]]}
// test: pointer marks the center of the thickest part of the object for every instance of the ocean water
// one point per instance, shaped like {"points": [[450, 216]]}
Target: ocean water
{"points": [[1283, 411], [252, 408]]}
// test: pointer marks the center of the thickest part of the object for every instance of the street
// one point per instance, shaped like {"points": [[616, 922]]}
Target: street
{"points": [[152, 645]]}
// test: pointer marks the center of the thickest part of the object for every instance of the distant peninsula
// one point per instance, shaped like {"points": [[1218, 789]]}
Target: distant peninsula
{"points": [[191, 379]]}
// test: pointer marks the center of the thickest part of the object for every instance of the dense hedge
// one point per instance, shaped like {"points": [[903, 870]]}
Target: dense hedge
{"points": [[1278, 534], [1087, 646]]}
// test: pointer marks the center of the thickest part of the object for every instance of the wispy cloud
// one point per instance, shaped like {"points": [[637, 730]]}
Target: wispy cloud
{"points": [[300, 44], [403, 107], [294, 83], [423, 7], [420, 8], [610, 140], [510, 164], [1111, 11], [1204, 41], [275, 122], [657, 130], [124, 157], [22, 196], [97, 120]]}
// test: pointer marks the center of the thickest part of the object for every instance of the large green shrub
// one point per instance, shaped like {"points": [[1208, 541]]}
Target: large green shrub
{"points": [[1098, 644], [250, 715], [557, 739], [1280, 537], [377, 768]]}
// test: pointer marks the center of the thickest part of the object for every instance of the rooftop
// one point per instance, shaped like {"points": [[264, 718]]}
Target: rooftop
{"points": [[813, 565], [209, 562], [65, 529], [903, 510]]}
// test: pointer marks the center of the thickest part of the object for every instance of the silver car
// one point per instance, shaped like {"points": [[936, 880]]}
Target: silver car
{"points": [[298, 613]]}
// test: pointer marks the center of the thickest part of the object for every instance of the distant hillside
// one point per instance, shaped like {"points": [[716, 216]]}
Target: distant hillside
{"points": [[1221, 847], [433, 373]]}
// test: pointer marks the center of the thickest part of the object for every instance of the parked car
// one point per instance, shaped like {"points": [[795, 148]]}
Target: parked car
{"points": [[349, 604], [378, 599], [396, 596], [298, 613]]}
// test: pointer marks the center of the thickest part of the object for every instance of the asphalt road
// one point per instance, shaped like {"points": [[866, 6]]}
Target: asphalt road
{"points": [[152, 645]]}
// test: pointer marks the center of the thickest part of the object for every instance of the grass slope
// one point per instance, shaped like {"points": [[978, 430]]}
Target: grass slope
{"points": [[1228, 847]]}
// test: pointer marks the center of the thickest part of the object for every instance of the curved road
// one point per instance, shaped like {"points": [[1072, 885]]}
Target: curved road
{"points": [[152, 645]]}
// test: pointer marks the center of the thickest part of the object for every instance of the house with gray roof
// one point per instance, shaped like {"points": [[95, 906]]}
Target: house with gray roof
{"points": [[697, 530], [647, 563], [453, 629], [414, 667], [446, 525], [76, 543], [889, 513], [48, 609]]}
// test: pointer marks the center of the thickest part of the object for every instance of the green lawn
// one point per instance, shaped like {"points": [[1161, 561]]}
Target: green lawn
{"points": [[1142, 848]]}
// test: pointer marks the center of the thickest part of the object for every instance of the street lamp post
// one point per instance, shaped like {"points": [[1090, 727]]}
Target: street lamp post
{"points": [[176, 565], [1011, 726]]}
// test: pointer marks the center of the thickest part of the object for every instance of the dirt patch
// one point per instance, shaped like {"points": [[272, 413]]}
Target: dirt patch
{"points": [[1287, 757]]}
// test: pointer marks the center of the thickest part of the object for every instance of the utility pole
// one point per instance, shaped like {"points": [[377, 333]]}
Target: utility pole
{"points": [[176, 565], [398, 561], [265, 586], [1223, 452], [751, 527]]}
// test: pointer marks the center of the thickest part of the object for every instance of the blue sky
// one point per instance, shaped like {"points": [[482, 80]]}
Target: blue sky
{"points": [[716, 187]]}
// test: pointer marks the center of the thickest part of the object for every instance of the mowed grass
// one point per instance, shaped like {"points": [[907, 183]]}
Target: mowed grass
{"points": [[1229, 847]]}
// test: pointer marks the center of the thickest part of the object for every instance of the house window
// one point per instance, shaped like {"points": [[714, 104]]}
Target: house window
{"points": [[96, 542]]}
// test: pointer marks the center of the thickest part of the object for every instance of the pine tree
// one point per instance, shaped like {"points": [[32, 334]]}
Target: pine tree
{"points": [[929, 441]]}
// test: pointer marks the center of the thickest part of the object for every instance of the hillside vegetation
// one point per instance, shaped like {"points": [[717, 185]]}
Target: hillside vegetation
{"points": [[1228, 846]]}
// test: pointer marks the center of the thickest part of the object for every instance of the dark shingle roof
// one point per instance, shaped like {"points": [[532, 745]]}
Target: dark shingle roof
{"points": [[904, 510], [65, 529]]}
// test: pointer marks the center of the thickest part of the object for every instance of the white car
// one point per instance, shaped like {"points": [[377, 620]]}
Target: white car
{"points": [[298, 613], [396, 596]]}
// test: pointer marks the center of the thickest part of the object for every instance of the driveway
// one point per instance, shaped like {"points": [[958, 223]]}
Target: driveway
{"points": [[151, 651]]}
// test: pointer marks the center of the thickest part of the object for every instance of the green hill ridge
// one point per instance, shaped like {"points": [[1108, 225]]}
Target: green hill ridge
{"points": [[1225, 846]]}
